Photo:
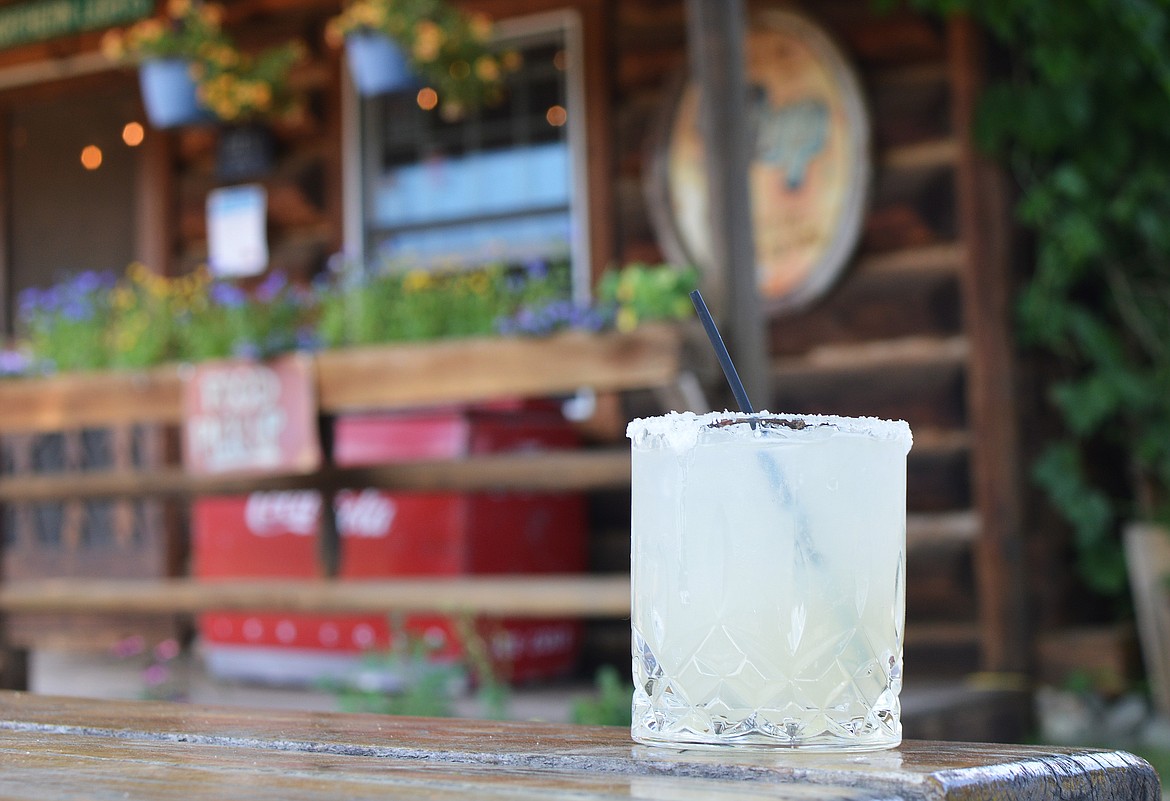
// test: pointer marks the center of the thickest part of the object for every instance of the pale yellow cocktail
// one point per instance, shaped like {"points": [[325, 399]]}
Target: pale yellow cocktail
{"points": [[768, 569]]}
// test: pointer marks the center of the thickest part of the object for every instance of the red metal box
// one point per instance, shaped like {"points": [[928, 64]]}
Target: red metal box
{"points": [[384, 534]]}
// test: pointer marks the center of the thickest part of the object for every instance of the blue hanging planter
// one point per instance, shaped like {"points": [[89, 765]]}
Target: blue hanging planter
{"points": [[377, 64], [168, 92]]}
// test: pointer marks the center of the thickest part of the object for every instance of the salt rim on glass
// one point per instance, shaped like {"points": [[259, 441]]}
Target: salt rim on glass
{"points": [[680, 431]]}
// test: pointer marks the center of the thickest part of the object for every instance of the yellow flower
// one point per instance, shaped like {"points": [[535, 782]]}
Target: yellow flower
{"points": [[480, 25], [479, 283], [137, 272], [113, 45], [486, 68], [122, 297], [627, 319], [177, 9], [416, 280], [146, 31], [364, 14], [211, 14], [428, 41], [512, 60]]}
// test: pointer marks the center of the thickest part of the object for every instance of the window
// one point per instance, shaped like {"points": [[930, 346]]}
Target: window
{"points": [[504, 184]]}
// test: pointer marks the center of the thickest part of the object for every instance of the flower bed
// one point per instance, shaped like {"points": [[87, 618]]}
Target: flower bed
{"points": [[93, 321]]}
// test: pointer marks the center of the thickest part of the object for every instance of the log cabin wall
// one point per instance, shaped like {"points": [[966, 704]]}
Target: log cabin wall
{"points": [[908, 330], [913, 330]]}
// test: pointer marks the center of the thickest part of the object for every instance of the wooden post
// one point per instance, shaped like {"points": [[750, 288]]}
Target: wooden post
{"points": [[715, 33], [154, 213], [996, 475]]}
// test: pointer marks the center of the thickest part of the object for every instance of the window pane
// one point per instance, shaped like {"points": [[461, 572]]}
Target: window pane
{"points": [[494, 186]]}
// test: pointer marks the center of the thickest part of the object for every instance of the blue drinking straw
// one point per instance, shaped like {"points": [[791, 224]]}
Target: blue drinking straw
{"points": [[722, 355]]}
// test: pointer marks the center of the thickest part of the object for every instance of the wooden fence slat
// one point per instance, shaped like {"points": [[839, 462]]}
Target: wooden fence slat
{"points": [[544, 471], [549, 596]]}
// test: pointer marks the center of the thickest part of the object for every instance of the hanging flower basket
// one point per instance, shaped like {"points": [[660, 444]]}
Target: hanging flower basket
{"points": [[378, 65], [169, 92], [443, 48]]}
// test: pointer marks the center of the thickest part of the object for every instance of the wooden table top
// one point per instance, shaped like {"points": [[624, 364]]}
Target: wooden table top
{"points": [[58, 748]]}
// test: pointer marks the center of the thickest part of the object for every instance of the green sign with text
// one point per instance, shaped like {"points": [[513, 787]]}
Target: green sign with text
{"points": [[35, 22]]}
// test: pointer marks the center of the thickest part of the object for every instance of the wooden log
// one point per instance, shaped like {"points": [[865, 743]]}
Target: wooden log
{"points": [[900, 295], [922, 155], [927, 397], [549, 596]]}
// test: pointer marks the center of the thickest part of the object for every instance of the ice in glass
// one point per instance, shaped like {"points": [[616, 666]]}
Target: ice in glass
{"points": [[768, 570]]}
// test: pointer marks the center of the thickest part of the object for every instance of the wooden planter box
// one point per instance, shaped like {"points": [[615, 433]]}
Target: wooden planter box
{"points": [[376, 377]]}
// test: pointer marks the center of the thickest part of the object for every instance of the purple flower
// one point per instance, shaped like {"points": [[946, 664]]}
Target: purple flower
{"points": [[75, 309], [155, 675], [130, 646], [227, 295], [93, 281], [246, 350], [29, 301], [272, 286], [537, 269], [13, 362], [167, 650]]}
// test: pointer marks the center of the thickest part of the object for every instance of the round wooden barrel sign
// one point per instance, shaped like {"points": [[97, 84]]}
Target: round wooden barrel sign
{"points": [[810, 163]]}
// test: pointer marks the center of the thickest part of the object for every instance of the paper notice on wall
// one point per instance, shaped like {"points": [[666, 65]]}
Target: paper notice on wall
{"points": [[237, 242]]}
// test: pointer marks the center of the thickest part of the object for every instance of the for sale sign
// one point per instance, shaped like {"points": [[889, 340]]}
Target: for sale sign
{"points": [[251, 417]]}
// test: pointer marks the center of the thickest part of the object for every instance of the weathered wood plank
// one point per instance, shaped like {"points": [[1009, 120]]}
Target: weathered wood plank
{"points": [[930, 398], [466, 371], [922, 155], [560, 471], [179, 740], [880, 301], [80, 400], [68, 765], [943, 258], [907, 351], [528, 595]]}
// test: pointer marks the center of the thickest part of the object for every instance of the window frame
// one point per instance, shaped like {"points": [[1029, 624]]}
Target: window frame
{"points": [[569, 23]]}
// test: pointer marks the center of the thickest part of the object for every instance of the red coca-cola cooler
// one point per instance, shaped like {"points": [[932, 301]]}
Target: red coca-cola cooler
{"points": [[273, 534]]}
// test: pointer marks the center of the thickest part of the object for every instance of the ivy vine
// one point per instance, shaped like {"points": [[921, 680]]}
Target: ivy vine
{"points": [[1083, 124]]}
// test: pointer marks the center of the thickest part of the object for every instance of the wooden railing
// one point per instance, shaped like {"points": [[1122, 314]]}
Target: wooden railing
{"points": [[373, 378]]}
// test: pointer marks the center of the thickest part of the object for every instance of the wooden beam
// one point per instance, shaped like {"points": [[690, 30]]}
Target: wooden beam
{"points": [[716, 37], [551, 596], [923, 155], [548, 471], [996, 474]]}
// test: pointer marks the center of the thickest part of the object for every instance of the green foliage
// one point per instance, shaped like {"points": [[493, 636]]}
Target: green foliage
{"points": [[642, 292], [611, 705], [398, 305], [1084, 125], [427, 682], [93, 321]]}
